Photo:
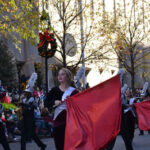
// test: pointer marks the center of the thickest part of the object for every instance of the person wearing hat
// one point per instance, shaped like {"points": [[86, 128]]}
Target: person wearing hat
{"points": [[3, 139], [28, 120]]}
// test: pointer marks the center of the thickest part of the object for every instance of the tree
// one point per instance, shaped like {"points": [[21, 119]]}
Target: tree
{"points": [[127, 36], [23, 17], [19, 18], [66, 17], [8, 70]]}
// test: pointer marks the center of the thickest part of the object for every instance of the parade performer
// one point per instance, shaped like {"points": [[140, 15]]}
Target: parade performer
{"points": [[94, 116], [78, 77], [3, 139], [144, 96], [143, 114], [127, 119], [28, 122], [144, 92], [55, 98]]}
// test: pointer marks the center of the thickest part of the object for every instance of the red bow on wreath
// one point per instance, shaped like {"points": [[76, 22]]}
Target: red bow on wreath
{"points": [[44, 37]]}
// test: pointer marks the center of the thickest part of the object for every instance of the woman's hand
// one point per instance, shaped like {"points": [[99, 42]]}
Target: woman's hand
{"points": [[57, 102]]}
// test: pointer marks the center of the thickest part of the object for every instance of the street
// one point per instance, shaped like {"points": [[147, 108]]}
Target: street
{"points": [[140, 143]]}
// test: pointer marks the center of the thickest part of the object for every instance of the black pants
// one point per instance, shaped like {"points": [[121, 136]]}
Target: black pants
{"points": [[59, 136], [29, 132], [127, 131], [3, 139]]}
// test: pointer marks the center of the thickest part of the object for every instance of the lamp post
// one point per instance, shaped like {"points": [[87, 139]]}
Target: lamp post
{"points": [[46, 71], [45, 17], [46, 39]]}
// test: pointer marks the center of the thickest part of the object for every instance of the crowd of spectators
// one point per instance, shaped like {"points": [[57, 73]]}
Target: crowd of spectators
{"points": [[11, 117]]}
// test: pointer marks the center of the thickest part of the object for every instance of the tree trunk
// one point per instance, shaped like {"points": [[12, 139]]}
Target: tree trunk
{"points": [[132, 76], [64, 37], [133, 83]]}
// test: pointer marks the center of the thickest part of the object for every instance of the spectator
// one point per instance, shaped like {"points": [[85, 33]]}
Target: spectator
{"points": [[40, 124], [2, 91], [11, 124], [37, 93], [48, 118], [3, 139]]}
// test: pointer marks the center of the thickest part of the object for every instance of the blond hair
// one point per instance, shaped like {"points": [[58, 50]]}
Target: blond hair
{"points": [[68, 73]]}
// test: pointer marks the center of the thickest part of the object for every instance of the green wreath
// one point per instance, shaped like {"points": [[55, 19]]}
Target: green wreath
{"points": [[46, 39]]}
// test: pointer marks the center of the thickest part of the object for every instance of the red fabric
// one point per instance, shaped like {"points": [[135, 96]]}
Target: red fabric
{"points": [[6, 99], [143, 113], [94, 116]]}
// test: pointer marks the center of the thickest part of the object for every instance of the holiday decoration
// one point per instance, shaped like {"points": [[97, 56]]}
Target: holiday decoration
{"points": [[47, 46]]}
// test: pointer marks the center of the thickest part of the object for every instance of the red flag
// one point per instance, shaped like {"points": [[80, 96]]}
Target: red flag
{"points": [[143, 112], [94, 116]]}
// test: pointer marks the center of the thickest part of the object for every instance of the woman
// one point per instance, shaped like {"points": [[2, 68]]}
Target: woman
{"points": [[55, 99]]}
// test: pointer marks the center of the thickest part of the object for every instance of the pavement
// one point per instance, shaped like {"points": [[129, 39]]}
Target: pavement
{"points": [[139, 143]]}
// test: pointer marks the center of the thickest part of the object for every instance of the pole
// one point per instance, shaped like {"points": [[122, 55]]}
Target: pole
{"points": [[82, 42], [46, 56], [19, 71], [46, 70], [19, 67]]}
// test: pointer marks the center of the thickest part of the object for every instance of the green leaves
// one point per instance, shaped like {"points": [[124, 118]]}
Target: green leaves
{"points": [[21, 17], [45, 15]]}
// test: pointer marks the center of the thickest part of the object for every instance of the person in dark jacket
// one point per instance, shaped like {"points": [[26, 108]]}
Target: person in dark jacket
{"points": [[28, 105]]}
